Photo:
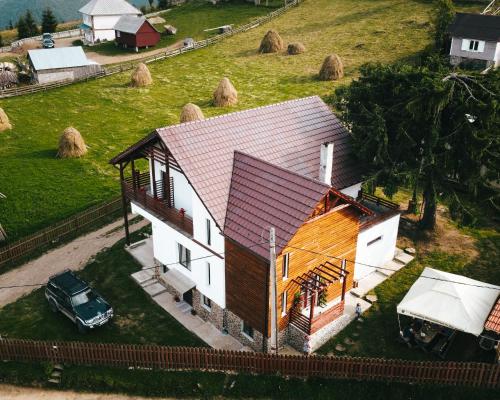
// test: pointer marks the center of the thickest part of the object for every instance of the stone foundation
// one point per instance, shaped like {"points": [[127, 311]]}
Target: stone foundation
{"points": [[234, 324], [215, 315]]}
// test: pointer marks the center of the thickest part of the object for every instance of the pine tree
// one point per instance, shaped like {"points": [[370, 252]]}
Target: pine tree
{"points": [[49, 22], [1, 40], [31, 27], [22, 29], [430, 126], [163, 4], [444, 15], [11, 25]]}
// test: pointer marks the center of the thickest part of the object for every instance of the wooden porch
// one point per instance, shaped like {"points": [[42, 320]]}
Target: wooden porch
{"points": [[157, 199], [312, 284]]}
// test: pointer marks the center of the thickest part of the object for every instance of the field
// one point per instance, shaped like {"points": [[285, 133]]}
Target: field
{"points": [[41, 189]]}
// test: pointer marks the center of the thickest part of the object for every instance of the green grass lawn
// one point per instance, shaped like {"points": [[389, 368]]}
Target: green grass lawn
{"points": [[206, 385], [41, 189], [191, 19], [137, 318]]}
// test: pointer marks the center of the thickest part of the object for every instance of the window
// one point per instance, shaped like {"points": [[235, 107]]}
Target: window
{"points": [[247, 329], [207, 303], [286, 263], [284, 298], [118, 33], [374, 241], [184, 256], [165, 269], [473, 45], [209, 232], [209, 277]]}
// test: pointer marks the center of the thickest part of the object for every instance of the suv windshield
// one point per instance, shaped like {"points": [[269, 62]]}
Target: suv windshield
{"points": [[82, 298]]}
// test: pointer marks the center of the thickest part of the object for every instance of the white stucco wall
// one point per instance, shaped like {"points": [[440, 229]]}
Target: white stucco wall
{"points": [[165, 239], [352, 190], [54, 76], [379, 252]]}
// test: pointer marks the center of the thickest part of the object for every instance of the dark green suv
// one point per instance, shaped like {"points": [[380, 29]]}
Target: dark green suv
{"points": [[67, 293]]}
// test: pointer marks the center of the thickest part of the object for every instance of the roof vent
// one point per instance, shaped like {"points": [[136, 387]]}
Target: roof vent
{"points": [[326, 163]]}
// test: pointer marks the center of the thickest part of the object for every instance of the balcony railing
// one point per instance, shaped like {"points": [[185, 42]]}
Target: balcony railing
{"points": [[310, 326], [158, 200], [383, 209]]}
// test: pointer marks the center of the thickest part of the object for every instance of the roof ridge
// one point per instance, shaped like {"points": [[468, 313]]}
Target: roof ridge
{"points": [[240, 112]]}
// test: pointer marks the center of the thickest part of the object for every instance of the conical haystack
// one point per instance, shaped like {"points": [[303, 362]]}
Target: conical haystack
{"points": [[296, 48], [225, 94], [332, 68], [4, 121], [191, 112], [71, 144], [141, 77], [271, 43]]}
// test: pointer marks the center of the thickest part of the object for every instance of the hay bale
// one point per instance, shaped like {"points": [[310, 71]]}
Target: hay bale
{"points": [[71, 144], [332, 68], [4, 121], [141, 77], [296, 48], [191, 112], [271, 43], [225, 94]]}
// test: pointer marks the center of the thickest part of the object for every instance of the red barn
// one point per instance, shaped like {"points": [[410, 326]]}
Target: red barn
{"points": [[132, 31]]}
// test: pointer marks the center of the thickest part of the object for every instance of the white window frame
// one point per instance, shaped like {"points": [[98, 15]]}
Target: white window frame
{"points": [[473, 45], [285, 268], [204, 300], [284, 300], [246, 334], [184, 256]]}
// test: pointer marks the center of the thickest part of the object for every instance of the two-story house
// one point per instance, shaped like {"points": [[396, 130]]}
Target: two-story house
{"points": [[475, 40], [213, 190], [100, 17]]}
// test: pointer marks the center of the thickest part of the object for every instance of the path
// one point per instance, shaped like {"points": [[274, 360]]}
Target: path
{"points": [[74, 255], [9, 392], [126, 56]]}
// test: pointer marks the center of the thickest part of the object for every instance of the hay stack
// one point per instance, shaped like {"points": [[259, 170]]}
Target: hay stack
{"points": [[332, 68], [4, 121], [71, 144], [296, 48], [271, 43], [191, 112], [141, 77], [225, 94]]}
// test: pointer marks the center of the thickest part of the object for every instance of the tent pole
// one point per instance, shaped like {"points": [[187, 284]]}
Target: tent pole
{"points": [[399, 323]]}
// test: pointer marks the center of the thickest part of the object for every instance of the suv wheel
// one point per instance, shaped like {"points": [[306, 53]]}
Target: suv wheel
{"points": [[53, 306], [81, 327]]}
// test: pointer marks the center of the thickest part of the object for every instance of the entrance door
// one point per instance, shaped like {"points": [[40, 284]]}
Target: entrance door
{"points": [[188, 297]]}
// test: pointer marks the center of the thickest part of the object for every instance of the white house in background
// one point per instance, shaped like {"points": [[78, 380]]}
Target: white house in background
{"points": [[475, 39], [215, 187], [100, 17]]}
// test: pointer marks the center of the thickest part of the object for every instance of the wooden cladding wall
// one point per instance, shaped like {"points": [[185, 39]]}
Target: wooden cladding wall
{"points": [[247, 285], [334, 233]]}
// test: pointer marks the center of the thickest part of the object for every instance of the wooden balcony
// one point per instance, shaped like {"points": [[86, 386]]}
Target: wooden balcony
{"points": [[383, 209], [158, 200]]}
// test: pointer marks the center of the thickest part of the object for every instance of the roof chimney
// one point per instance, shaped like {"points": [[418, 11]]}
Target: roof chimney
{"points": [[326, 163]]}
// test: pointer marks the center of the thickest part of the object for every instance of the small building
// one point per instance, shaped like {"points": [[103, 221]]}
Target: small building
{"points": [[63, 63], [475, 40], [100, 17], [137, 32]]}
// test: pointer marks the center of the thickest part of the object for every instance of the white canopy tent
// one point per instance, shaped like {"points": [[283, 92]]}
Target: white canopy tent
{"points": [[450, 300]]}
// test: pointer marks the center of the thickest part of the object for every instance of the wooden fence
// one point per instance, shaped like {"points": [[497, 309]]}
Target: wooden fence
{"points": [[55, 233], [207, 359], [56, 35], [18, 91]]}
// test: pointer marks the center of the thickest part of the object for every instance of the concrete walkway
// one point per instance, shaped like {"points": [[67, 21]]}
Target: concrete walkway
{"points": [[181, 311], [73, 255]]}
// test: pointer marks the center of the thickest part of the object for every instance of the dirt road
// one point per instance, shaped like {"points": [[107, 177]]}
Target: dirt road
{"points": [[74, 255], [8, 392], [127, 55]]}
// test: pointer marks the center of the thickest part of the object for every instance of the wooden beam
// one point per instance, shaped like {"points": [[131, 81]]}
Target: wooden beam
{"points": [[124, 206], [153, 175]]}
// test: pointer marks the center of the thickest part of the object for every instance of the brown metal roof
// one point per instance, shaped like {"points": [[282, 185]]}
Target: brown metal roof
{"points": [[493, 321], [287, 135], [262, 195]]}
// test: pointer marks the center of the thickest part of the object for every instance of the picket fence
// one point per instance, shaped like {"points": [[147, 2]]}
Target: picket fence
{"points": [[208, 359]]}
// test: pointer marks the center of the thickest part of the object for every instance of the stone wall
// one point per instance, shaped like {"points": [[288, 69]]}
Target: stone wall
{"points": [[234, 324], [215, 315]]}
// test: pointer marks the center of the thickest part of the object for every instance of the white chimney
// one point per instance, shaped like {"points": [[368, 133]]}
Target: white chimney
{"points": [[326, 163]]}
